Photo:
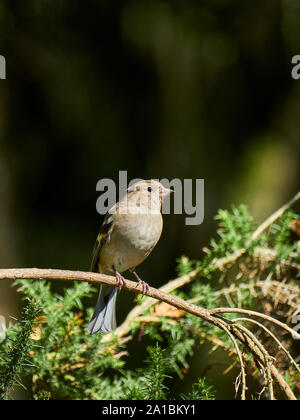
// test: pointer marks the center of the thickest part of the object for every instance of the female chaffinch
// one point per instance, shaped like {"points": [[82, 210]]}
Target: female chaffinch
{"points": [[130, 231]]}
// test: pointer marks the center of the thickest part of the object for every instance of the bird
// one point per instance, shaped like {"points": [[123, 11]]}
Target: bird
{"points": [[129, 232]]}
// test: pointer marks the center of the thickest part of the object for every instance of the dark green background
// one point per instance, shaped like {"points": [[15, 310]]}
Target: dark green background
{"points": [[162, 89]]}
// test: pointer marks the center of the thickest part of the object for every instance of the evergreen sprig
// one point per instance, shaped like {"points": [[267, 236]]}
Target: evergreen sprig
{"points": [[200, 391], [15, 348]]}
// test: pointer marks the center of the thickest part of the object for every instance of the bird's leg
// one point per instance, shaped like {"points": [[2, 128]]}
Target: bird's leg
{"points": [[120, 280], [141, 282]]}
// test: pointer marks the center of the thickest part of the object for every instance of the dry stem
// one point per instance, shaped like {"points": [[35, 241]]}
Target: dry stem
{"points": [[232, 328]]}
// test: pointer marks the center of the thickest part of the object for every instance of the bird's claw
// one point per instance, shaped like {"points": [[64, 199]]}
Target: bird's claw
{"points": [[120, 281], [145, 286]]}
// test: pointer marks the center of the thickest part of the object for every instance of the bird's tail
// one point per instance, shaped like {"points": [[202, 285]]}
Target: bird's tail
{"points": [[104, 318]]}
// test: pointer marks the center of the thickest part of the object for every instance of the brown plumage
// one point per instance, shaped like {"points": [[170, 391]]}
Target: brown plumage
{"points": [[129, 232]]}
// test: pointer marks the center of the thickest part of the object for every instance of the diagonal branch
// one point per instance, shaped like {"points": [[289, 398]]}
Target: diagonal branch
{"points": [[221, 262], [159, 294], [211, 316]]}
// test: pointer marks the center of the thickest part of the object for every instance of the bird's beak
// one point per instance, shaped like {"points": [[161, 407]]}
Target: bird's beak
{"points": [[165, 192]]}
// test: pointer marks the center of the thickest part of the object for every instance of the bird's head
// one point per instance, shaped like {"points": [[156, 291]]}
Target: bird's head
{"points": [[149, 193]]}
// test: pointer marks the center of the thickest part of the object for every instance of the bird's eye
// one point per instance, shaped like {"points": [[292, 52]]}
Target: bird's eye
{"points": [[149, 189]]}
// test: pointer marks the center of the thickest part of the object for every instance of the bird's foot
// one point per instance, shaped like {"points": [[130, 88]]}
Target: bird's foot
{"points": [[120, 281], [145, 286]]}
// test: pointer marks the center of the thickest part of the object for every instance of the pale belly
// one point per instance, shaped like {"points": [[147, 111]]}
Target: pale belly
{"points": [[130, 243]]}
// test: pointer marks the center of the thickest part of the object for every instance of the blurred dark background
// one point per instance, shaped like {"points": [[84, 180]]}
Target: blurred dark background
{"points": [[162, 89]]}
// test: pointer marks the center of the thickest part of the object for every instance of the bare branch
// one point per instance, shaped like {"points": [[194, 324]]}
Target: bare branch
{"points": [[273, 336], [242, 373], [278, 213], [257, 314], [234, 330]]}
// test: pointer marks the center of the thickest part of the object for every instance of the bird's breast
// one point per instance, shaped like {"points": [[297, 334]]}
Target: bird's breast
{"points": [[132, 239]]}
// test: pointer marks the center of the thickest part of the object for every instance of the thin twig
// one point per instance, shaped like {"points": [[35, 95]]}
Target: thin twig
{"points": [[243, 373], [221, 262], [278, 213], [257, 314], [263, 327], [267, 357]]}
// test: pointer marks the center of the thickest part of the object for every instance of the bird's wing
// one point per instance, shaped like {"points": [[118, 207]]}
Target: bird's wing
{"points": [[102, 238]]}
